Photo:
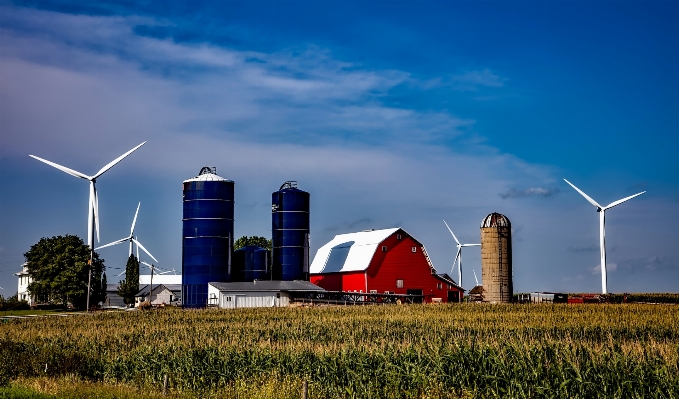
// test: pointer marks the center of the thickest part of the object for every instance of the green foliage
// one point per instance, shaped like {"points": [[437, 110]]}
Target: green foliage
{"points": [[13, 303], [59, 268], [253, 240], [413, 351], [129, 286]]}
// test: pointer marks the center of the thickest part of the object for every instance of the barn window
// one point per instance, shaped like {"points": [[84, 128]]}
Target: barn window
{"points": [[414, 249], [373, 291], [399, 283], [439, 286], [384, 248], [398, 236], [450, 286], [388, 292]]}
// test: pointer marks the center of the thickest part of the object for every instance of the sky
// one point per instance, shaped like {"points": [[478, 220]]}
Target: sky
{"points": [[391, 114]]}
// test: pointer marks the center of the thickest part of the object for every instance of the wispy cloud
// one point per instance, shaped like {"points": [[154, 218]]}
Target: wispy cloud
{"points": [[359, 222], [610, 267], [649, 263], [529, 192], [589, 248], [467, 81]]}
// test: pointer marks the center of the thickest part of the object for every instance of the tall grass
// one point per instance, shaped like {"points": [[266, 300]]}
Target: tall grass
{"points": [[412, 351]]}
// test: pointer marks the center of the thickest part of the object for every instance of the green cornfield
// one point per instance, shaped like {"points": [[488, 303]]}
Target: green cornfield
{"points": [[408, 351]]}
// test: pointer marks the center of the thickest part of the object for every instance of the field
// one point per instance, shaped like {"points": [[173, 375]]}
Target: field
{"points": [[409, 351]]}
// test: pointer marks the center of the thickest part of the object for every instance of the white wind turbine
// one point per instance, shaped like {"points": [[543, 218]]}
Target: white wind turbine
{"points": [[458, 257], [131, 239], [602, 227], [93, 206]]}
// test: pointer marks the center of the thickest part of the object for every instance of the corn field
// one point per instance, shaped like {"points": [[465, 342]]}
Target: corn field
{"points": [[414, 351]]}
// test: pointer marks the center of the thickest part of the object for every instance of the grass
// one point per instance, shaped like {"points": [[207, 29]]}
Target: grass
{"points": [[416, 351], [29, 312]]}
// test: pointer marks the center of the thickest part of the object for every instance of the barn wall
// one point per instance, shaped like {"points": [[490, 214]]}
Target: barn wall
{"points": [[350, 281], [401, 263]]}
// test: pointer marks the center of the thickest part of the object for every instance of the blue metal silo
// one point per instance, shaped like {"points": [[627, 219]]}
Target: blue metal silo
{"points": [[290, 228], [250, 263], [207, 238]]}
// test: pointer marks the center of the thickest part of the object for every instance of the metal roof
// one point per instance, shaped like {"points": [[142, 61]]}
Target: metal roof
{"points": [[207, 174], [268, 285], [144, 290], [495, 220], [349, 252]]}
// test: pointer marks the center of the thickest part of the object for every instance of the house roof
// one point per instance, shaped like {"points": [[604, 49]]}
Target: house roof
{"points": [[349, 252], [144, 290], [266, 285]]}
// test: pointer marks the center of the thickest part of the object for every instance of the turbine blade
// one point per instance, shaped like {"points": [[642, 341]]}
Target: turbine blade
{"points": [[451, 232], [471, 245], [477, 280], [455, 261], [96, 209], [122, 240], [121, 273], [62, 168], [144, 249], [115, 161], [618, 202], [134, 221], [587, 197]]}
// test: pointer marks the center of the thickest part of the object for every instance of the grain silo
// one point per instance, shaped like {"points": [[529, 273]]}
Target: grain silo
{"points": [[290, 229], [207, 238], [250, 263], [496, 258]]}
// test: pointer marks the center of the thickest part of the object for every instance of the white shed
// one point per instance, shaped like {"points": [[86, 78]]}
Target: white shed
{"points": [[256, 294]]}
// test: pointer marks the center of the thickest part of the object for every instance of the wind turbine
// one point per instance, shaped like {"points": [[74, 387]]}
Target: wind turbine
{"points": [[602, 227], [93, 206], [131, 239], [458, 257]]}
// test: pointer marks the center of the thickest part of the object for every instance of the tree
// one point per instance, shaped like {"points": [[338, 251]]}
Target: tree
{"points": [[59, 267], [104, 283], [129, 286], [254, 240]]}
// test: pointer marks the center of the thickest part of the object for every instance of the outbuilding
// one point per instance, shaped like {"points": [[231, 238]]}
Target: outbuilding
{"points": [[388, 261], [162, 294], [256, 294]]}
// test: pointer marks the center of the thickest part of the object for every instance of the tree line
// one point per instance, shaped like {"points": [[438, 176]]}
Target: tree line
{"points": [[59, 268]]}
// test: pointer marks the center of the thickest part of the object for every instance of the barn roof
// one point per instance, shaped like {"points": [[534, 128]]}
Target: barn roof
{"points": [[349, 252]]}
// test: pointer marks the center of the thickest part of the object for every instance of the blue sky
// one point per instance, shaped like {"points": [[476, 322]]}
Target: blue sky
{"points": [[389, 113]]}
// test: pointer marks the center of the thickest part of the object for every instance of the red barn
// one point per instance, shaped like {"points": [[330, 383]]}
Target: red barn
{"points": [[381, 261]]}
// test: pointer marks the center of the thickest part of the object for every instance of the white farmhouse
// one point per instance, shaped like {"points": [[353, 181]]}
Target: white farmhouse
{"points": [[24, 280], [256, 294]]}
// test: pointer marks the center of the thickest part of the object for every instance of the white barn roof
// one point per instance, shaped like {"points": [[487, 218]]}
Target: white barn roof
{"points": [[349, 252]]}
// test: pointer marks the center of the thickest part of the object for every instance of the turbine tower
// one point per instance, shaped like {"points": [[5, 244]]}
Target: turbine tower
{"points": [[458, 257], [602, 229], [93, 206], [131, 239]]}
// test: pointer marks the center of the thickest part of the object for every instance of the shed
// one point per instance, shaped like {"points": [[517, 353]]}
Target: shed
{"points": [[256, 294], [389, 261]]}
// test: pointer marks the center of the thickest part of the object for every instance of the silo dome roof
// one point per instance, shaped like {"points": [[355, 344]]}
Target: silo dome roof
{"points": [[207, 174], [495, 220]]}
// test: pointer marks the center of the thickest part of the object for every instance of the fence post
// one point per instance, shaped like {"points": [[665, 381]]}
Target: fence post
{"points": [[305, 390], [165, 385]]}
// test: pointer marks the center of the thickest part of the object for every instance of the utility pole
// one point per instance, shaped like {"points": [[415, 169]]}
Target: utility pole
{"points": [[151, 290]]}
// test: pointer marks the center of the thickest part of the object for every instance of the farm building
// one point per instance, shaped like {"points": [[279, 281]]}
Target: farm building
{"points": [[381, 261], [256, 294], [167, 294]]}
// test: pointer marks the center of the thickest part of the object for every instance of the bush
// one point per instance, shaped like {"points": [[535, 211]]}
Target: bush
{"points": [[13, 303]]}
